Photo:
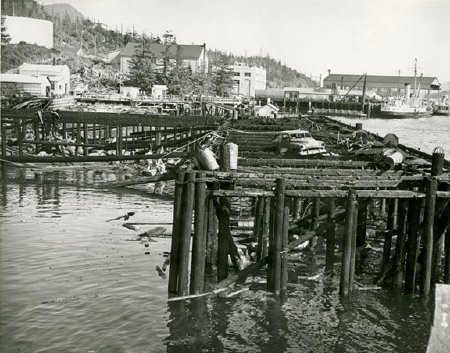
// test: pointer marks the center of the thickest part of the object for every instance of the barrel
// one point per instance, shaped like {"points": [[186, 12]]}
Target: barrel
{"points": [[206, 159]]}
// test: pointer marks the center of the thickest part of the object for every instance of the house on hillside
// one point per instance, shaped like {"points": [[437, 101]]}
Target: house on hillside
{"points": [[58, 75], [193, 56], [248, 79], [36, 86]]}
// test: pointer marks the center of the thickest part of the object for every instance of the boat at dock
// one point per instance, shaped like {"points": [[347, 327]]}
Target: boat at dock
{"points": [[405, 108], [409, 105], [442, 107]]}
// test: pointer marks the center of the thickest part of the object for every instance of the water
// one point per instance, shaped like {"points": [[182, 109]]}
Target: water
{"points": [[424, 133], [71, 282]]}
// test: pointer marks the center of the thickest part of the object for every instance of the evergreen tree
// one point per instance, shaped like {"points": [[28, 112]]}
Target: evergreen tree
{"points": [[142, 73], [5, 36], [179, 78], [222, 77]]}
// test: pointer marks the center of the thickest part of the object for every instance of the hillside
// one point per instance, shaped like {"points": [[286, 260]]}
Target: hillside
{"points": [[278, 74], [63, 10], [73, 31]]}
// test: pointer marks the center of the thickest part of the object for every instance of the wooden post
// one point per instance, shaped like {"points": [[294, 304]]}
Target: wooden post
{"points": [[85, 138], [185, 232], [331, 234], [257, 227], [362, 226], [280, 186], [64, 130], [199, 241], [314, 220], [297, 207], [78, 138], [265, 226], [3, 133], [430, 204], [175, 244], [346, 249], [351, 280], [285, 249], [119, 137], [20, 137], [412, 245], [211, 254], [399, 255]]}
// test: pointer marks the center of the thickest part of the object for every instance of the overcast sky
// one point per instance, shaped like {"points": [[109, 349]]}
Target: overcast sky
{"points": [[312, 36]]}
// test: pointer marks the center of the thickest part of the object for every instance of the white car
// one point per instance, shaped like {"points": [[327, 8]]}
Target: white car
{"points": [[297, 142]]}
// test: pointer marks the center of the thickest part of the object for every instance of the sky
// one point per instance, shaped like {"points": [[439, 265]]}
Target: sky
{"points": [[312, 36]]}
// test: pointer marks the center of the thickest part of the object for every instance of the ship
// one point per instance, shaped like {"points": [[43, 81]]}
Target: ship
{"points": [[409, 106], [442, 107]]}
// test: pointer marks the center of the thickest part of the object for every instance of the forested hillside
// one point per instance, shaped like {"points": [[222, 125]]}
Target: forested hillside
{"points": [[72, 31]]}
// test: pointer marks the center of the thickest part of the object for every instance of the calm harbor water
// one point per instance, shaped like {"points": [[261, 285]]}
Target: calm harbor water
{"points": [[72, 282], [424, 133]]}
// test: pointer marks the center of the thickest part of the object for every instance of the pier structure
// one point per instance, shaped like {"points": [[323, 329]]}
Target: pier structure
{"points": [[309, 198], [282, 202]]}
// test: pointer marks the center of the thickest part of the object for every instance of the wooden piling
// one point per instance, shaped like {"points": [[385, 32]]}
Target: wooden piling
{"points": [[285, 249], [266, 226], [223, 216], [347, 243], [412, 245], [297, 207], [20, 137], [85, 138], [257, 227], [199, 241], [315, 219], [430, 204], [211, 254], [280, 186], [119, 137], [185, 231], [399, 255], [175, 244], [331, 234], [361, 225], [351, 280]]}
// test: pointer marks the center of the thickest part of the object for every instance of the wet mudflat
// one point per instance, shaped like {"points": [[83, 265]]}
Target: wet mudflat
{"points": [[71, 282]]}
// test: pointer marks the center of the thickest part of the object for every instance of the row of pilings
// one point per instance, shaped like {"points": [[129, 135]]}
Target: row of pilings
{"points": [[415, 211]]}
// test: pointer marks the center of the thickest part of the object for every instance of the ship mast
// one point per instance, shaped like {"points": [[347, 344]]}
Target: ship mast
{"points": [[415, 75]]}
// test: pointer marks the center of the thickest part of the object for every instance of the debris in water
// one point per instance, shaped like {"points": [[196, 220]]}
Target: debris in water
{"points": [[130, 226], [161, 273], [125, 217], [152, 232]]}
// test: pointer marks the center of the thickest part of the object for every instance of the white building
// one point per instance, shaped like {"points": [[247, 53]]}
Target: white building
{"points": [[58, 75], [248, 79], [193, 56], [159, 91], [29, 30], [268, 110], [36, 86]]}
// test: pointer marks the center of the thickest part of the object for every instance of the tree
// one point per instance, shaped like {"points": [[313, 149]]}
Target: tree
{"points": [[142, 72], [222, 77], [6, 38], [179, 78]]}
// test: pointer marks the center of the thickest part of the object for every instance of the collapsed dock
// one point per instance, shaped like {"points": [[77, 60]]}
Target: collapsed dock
{"points": [[267, 205]]}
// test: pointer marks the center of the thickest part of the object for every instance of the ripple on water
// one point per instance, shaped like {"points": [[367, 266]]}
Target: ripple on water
{"points": [[71, 282]]}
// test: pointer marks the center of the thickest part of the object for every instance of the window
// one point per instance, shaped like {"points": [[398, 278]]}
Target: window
{"points": [[236, 82], [248, 74], [236, 73]]}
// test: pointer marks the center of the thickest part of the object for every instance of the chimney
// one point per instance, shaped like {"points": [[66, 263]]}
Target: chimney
{"points": [[54, 61]]}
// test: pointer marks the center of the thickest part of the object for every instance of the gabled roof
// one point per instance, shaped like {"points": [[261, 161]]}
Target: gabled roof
{"points": [[189, 52], [46, 68], [431, 81], [18, 78]]}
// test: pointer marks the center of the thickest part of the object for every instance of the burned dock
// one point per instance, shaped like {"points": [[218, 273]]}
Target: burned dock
{"points": [[276, 203]]}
